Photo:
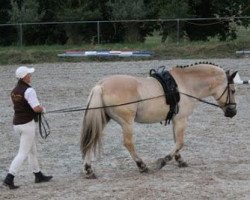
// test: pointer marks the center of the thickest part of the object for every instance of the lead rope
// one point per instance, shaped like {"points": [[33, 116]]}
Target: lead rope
{"points": [[44, 128], [201, 100]]}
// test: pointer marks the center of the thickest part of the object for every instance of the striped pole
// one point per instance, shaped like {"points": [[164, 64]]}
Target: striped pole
{"points": [[246, 82]]}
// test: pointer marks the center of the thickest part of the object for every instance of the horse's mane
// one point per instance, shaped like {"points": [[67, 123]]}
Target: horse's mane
{"points": [[185, 66]]}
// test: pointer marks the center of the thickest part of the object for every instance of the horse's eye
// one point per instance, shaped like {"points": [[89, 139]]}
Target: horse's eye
{"points": [[233, 91]]}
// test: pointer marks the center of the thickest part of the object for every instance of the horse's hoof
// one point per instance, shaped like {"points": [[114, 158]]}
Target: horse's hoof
{"points": [[160, 163], [144, 170], [91, 176], [142, 166], [182, 164]]}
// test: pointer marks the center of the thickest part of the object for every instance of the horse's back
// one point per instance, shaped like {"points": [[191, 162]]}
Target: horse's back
{"points": [[117, 82], [132, 88], [120, 89]]}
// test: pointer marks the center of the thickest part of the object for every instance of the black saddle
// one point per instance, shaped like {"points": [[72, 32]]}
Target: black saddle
{"points": [[170, 89]]}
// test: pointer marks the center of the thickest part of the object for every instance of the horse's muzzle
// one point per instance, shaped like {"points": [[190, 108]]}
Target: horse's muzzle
{"points": [[230, 112]]}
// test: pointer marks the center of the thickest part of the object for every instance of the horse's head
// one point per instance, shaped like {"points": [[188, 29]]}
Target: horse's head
{"points": [[226, 95]]}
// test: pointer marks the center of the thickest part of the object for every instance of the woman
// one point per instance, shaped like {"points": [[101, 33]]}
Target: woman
{"points": [[26, 107]]}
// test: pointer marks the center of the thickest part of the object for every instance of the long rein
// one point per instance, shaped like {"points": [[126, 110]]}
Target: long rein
{"points": [[75, 109], [44, 128]]}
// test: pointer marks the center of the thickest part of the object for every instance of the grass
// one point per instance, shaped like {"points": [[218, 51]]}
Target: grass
{"points": [[169, 50]]}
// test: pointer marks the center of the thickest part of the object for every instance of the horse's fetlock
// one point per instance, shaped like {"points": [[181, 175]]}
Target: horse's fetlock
{"points": [[177, 157], [162, 163], [88, 168], [140, 164]]}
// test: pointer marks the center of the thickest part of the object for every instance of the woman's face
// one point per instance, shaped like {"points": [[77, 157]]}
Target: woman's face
{"points": [[27, 78]]}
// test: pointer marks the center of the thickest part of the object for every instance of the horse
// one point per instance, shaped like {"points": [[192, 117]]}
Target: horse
{"points": [[128, 99]]}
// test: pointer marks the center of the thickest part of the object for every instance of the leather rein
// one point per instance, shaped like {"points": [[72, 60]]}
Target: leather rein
{"points": [[213, 104], [44, 128]]}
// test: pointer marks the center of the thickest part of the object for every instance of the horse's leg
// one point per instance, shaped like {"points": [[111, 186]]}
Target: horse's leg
{"points": [[127, 130], [87, 167], [179, 126]]}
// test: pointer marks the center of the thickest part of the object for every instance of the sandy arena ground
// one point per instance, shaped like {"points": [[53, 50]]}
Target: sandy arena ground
{"points": [[216, 148]]}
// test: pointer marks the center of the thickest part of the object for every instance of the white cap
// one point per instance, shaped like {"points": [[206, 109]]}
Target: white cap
{"points": [[22, 71]]}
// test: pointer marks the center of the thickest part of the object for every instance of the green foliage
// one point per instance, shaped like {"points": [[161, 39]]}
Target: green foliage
{"points": [[5, 39], [23, 11], [4, 8], [174, 9], [127, 9], [72, 10], [205, 29], [130, 10], [27, 12], [202, 30]]}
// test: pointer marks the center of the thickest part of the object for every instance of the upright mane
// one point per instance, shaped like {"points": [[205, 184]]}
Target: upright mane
{"points": [[195, 64]]}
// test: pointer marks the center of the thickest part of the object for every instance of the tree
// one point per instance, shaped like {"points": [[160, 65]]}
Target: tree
{"points": [[79, 10], [203, 30], [50, 33], [174, 9], [26, 11], [5, 38], [130, 10]]}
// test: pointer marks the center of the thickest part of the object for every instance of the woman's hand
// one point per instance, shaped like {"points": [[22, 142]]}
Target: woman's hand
{"points": [[39, 109]]}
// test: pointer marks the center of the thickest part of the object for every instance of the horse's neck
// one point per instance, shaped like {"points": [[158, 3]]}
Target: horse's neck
{"points": [[194, 81]]}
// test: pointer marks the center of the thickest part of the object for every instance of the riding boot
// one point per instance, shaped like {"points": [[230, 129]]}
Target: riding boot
{"points": [[9, 181], [40, 177]]}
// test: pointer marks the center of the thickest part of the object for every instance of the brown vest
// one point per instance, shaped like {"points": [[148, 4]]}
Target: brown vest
{"points": [[23, 111]]}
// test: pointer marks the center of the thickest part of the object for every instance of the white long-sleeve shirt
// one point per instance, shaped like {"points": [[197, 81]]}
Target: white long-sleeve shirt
{"points": [[31, 97]]}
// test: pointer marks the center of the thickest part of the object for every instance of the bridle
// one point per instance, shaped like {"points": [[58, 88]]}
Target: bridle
{"points": [[228, 103]]}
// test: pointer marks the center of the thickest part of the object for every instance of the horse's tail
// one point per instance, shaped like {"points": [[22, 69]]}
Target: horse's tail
{"points": [[93, 123]]}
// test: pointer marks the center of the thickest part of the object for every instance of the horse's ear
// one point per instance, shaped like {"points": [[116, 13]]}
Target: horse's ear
{"points": [[233, 75]]}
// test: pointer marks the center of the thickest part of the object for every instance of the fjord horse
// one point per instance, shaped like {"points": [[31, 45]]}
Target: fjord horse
{"points": [[199, 80]]}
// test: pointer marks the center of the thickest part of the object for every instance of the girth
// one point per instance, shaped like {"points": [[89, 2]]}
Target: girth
{"points": [[170, 89]]}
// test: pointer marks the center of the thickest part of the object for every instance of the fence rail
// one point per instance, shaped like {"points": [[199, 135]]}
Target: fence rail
{"points": [[19, 35]]}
